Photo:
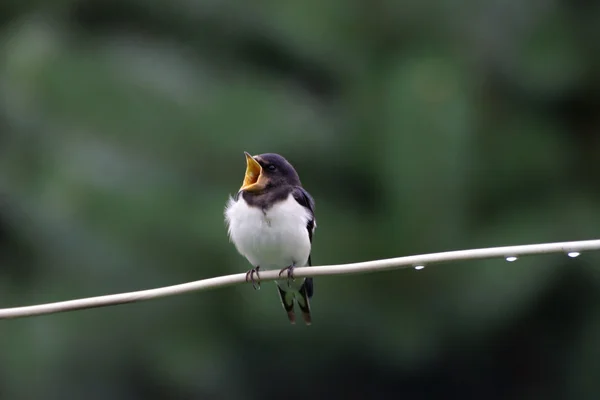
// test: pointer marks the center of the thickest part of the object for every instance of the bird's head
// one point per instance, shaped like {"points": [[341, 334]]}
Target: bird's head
{"points": [[266, 171]]}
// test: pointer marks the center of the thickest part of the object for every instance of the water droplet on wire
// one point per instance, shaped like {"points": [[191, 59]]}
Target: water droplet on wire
{"points": [[511, 258], [418, 267], [573, 254]]}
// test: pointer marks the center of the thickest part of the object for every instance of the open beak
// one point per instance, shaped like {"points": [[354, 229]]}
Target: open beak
{"points": [[253, 171]]}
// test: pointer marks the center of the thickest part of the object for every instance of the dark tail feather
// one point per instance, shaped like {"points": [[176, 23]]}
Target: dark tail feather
{"points": [[303, 302], [310, 287], [287, 301]]}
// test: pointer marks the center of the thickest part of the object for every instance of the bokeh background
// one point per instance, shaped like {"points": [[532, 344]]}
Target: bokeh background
{"points": [[418, 126]]}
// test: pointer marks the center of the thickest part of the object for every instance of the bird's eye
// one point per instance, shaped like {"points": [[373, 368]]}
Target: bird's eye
{"points": [[271, 167]]}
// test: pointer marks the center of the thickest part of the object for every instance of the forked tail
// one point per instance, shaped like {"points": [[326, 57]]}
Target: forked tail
{"points": [[302, 297]]}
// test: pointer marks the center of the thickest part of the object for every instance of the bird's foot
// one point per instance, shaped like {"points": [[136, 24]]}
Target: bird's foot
{"points": [[250, 278], [290, 273]]}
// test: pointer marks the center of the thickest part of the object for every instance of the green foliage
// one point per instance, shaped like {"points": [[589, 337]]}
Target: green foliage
{"points": [[418, 127]]}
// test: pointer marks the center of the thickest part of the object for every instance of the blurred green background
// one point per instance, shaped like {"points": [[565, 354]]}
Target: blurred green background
{"points": [[417, 126]]}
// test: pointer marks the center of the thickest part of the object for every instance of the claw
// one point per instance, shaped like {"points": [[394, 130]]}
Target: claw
{"points": [[250, 277], [290, 273]]}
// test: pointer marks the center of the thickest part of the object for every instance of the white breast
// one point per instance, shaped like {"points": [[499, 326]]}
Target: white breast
{"points": [[272, 239]]}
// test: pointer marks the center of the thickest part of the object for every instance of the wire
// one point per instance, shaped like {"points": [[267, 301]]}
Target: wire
{"points": [[510, 253]]}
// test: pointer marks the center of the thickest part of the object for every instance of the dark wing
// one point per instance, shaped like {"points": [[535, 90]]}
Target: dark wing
{"points": [[306, 200]]}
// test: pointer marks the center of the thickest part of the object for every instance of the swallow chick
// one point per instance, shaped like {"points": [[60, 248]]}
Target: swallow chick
{"points": [[271, 221]]}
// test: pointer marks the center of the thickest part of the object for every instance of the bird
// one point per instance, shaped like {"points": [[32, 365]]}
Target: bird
{"points": [[271, 221]]}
